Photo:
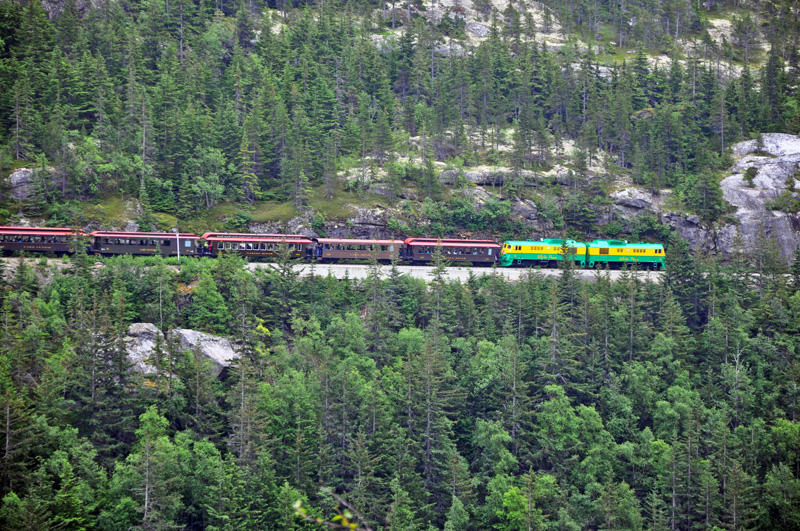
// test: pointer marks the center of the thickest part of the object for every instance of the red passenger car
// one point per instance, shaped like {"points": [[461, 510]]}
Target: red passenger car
{"points": [[346, 249], [257, 245], [477, 252], [39, 239]]}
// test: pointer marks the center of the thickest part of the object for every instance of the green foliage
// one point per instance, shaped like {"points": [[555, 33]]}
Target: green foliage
{"points": [[749, 175], [546, 403], [445, 405], [318, 224]]}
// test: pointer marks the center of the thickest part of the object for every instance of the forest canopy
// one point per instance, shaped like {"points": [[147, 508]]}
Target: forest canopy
{"points": [[548, 403]]}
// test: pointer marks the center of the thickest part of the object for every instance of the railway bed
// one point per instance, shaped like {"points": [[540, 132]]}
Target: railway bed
{"points": [[361, 271]]}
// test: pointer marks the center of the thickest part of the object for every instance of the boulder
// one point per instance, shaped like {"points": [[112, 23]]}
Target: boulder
{"points": [[632, 199], [526, 209], [217, 349]]}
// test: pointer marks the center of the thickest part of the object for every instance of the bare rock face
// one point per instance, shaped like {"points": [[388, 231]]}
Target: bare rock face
{"points": [[21, 182], [140, 343], [776, 144], [755, 220], [526, 209], [777, 162], [478, 29], [299, 225], [488, 176], [630, 203], [142, 338], [217, 349]]}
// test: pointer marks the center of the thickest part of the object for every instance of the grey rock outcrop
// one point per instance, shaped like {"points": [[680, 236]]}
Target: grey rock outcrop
{"points": [[140, 343], [142, 338], [526, 209], [131, 226], [217, 349], [488, 176], [21, 183], [777, 162], [631, 200], [776, 144], [773, 173], [478, 29]]}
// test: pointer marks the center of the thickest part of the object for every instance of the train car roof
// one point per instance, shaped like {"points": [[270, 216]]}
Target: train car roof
{"points": [[622, 243], [359, 242], [249, 235], [462, 243], [40, 231], [120, 234], [550, 242], [445, 241], [263, 239]]}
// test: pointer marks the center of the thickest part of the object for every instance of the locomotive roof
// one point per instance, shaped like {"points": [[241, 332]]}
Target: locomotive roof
{"points": [[120, 234], [551, 242], [359, 242], [622, 243]]}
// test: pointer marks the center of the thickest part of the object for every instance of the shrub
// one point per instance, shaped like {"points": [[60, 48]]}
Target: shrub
{"points": [[318, 224], [749, 175]]}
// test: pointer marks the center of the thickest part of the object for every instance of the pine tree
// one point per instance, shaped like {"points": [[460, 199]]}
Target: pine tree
{"points": [[154, 461], [401, 513], [250, 189]]}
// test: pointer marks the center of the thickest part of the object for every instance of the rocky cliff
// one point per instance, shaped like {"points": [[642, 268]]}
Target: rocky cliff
{"points": [[776, 162], [142, 339]]}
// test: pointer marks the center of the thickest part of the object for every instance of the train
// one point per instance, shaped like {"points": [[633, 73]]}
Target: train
{"points": [[417, 251]]}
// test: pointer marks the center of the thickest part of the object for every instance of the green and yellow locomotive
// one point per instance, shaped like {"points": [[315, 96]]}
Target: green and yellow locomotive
{"points": [[543, 253], [599, 253]]}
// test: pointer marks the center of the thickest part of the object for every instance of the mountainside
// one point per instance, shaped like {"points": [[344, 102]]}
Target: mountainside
{"points": [[204, 393], [237, 116]]}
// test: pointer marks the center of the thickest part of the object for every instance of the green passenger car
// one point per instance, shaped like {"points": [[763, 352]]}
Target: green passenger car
{"points": [[544, 253], [611, 253]]}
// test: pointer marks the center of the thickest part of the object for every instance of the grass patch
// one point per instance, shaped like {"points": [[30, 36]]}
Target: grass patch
{"points": [[111, 211], [339, 207], [271, 212], [165, 222]]}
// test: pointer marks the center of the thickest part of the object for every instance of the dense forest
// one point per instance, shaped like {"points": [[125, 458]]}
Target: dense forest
{"points": [[549, 403], [557, 402], [186, 105]]}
